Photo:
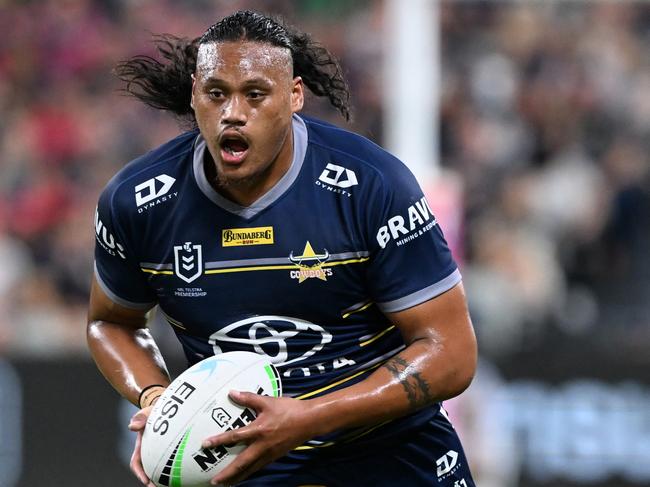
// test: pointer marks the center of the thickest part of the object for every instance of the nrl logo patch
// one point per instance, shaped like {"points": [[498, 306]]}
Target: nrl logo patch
{"points": [[188, 261], [310, 264]]}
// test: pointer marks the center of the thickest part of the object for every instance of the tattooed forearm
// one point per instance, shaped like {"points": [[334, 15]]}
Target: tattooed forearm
{"points": [[417, 389]]}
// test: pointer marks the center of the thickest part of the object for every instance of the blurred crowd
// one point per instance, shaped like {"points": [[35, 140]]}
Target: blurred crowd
{"points": [[545, 119], [546, 115]]}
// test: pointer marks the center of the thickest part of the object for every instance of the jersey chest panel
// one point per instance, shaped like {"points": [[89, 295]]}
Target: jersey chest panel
{"points": [[300, 258]]}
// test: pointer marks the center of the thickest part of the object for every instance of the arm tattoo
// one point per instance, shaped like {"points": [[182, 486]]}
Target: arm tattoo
{"points": [[417, 389]]}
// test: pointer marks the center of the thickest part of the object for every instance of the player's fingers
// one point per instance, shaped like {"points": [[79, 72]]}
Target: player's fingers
{"points": [[247, 462], [243, 474], [136, 462], [248, 399], [240, 435]]}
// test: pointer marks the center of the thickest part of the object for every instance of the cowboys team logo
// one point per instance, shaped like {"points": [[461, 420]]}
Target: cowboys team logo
{"points": [[310, 264], [188, 261]]}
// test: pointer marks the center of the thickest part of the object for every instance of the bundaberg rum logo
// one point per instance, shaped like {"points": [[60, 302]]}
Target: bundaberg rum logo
{"points": [[236, 237]]}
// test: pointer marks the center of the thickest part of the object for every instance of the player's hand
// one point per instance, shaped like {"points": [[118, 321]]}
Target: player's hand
{"points": [[282, 424], [138, 421]]}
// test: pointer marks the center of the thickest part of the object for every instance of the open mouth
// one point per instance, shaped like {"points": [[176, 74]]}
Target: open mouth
{"points": [[233, 150]]}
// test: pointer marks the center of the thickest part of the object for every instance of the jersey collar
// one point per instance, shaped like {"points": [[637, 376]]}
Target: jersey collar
{"points": [[285, 182]]}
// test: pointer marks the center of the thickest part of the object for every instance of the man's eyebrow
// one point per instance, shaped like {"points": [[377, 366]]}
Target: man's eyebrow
{"points": [[258, 80], [212, 80]]}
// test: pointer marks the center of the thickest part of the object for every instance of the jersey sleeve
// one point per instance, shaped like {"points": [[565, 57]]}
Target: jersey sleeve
{"points": [[116, 268], [410, 261]]}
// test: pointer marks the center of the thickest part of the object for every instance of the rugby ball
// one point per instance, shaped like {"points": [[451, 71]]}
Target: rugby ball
{"points": [[195, 406]]}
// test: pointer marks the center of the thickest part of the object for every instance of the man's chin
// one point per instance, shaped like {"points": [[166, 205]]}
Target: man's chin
{"points": [[241, 176], [231, 179]]}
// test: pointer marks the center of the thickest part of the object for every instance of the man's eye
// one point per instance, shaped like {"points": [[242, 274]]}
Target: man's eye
{"points": [[215, 94], [255, 94]]}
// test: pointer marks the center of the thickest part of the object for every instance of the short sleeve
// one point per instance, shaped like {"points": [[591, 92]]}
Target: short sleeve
{"points": [[410, 261], [116, 268]]}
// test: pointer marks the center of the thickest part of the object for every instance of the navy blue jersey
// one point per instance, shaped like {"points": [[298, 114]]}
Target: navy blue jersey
{"points": [[428, 456], [304, 275]]}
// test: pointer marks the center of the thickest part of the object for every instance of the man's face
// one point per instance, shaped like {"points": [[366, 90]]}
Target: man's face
{"points": [[243, 97]]}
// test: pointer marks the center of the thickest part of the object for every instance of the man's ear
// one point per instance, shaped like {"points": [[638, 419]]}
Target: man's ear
{"points": [[297, 94], [193, 87]]}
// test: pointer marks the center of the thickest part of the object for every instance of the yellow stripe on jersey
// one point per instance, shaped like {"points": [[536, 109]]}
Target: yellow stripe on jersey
{"points": [[281, 267], [364, 307], [252, 268], [355, 435], [262, 267], [349, 261], [312, 447], [338, 382], [175, 323], [154, 271], [377, 336]]}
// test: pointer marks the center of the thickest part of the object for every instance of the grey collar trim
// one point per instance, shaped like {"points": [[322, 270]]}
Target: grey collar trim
{"points": [[299, 151]]}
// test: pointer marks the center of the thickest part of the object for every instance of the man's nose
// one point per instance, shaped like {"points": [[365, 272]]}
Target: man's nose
{"points": [[233, 111]]}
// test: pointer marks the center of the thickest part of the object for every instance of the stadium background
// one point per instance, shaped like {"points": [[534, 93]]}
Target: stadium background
{"points": [[545, 132]]}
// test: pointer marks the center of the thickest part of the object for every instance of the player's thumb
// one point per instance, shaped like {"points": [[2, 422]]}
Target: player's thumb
{"points": [[139, 419]]}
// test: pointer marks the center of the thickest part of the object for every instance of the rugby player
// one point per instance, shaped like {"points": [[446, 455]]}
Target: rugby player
{"points": [[268, 231]]}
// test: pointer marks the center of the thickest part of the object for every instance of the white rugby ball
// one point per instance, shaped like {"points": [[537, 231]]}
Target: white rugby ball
{"points": [[195, 406]]}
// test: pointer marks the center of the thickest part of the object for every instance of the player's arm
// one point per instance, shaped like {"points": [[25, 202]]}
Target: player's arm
{"points": [[438, 363], [127, 355], [123, 348]]}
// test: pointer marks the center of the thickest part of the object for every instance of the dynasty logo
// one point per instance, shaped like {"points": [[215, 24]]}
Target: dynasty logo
{"points": [[151, 193], [337, 179], [236, 237], [310, 264]]}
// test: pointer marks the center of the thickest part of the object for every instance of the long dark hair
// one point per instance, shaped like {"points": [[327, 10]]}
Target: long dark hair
{"points": [[167, 85]]}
